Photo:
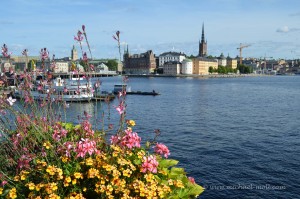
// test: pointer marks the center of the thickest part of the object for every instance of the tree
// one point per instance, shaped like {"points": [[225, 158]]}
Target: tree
{"points": [[244, 69], [112, 65], [210, 69]]}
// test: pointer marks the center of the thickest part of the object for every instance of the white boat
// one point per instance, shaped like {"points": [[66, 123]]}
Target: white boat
{"points": [[72, 89]]}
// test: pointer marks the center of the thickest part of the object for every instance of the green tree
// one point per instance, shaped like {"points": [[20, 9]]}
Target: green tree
{"points": [[244, 69], [210, 69], [112, 65]]}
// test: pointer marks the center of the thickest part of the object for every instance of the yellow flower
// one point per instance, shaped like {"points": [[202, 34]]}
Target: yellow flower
{"points": [[89, 161], [12, 193], [127, 172], [178, 183], [74, 181], [92, 173], [47, 145], [170, 182], [84, 189], [38, 187], [17, 178], [53, 196], [149, 177], [42, 163], [141, 154], [78, 175], [23, 175], [31, 186], [51, 187], [64, 159], [1, 190], [131, 122], [51, 170]]}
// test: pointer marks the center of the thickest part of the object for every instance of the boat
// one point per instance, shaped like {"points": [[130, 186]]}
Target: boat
{"points": [[69, 90], [123, 87], [103, 96]]}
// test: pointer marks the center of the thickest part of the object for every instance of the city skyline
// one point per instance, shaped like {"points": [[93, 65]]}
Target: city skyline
{"points": [[271, 27]]}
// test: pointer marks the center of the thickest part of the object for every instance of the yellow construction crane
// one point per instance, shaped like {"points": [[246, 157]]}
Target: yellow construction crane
{"points": [[241, 48]]}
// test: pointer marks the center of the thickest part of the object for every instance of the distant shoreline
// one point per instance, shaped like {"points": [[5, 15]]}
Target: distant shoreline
{"points": [[201, 76]]}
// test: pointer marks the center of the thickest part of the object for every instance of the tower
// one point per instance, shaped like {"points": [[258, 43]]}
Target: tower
{"points": [[74, 55], [202, 44]]}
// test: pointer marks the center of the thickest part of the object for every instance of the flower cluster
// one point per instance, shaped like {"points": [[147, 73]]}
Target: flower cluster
{"points": [[71, 162]]}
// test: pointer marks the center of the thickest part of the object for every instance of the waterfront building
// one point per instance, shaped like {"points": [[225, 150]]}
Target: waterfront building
{"points": [[170, 56], [61, 67], [74, 54], [143, 63], [222, 61], [172, 68], [203, 44], [103, 69], [187, 67], [232, 63], [201, 65]]}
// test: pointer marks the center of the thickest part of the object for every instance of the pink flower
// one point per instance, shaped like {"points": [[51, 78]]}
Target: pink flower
{"points": [[114, 139], [120, 108], [44, 53], [3, 183], [192, 180], [79, 37], [5, 51], [149, 164], [162, 150], [130, 140], [85, 146]]}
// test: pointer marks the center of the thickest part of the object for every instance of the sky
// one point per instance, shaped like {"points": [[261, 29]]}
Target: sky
{"points": [[270, 27]]}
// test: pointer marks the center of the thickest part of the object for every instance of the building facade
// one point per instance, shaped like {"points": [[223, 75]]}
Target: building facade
{"points": [[201, 65], [172, 68], [232, 63], [170, 57], [187, 67], [222, 61], [143, 63], [61, 67], [203, 44]]}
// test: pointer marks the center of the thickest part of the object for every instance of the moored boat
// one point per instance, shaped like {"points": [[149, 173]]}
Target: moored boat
{"points": [[70, 90], [123, 87]]}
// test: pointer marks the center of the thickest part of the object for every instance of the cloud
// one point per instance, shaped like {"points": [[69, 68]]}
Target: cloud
{"points": [[283, 29], [286, 29]]}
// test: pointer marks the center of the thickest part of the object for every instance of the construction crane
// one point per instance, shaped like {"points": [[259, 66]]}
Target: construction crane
{"points": [[241, 48]]}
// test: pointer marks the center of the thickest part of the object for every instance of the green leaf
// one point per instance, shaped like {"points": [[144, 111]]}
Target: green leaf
{"points": [[137, 162], [177, 171], [68, 126], [195, 190], [166, 163]]}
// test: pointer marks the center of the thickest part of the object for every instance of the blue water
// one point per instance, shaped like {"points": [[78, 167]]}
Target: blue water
{"points": [[238, 137]]}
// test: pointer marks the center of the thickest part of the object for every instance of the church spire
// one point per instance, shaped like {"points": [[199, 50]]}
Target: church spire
{"points": [[202, 37], [203, 44]]}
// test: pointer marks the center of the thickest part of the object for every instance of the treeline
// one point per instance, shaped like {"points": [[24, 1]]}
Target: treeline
{"points": [[226, 69]]}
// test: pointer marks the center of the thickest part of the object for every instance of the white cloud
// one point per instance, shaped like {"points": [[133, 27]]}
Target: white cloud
{"points": [[283, 29], [286, 29]]}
